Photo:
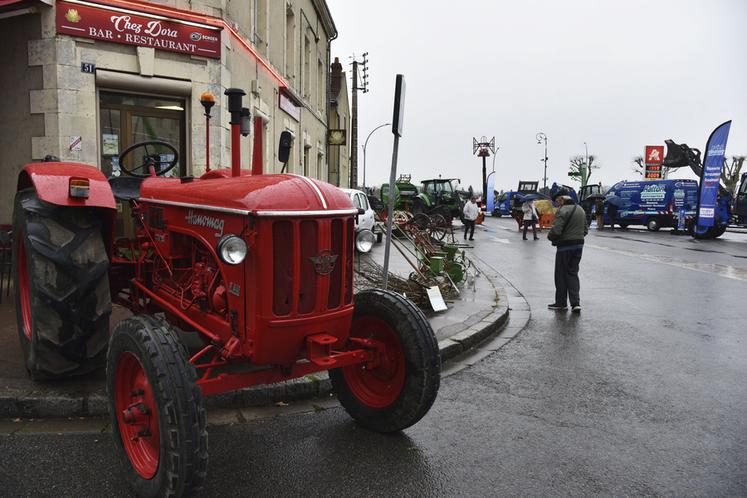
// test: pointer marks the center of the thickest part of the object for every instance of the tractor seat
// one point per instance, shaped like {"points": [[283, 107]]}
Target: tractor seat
{"points": [[125, 188]]}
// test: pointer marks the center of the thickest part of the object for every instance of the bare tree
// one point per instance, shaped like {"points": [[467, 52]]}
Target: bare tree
{"points": [[638, 166], [731, 172], [578, 170]]}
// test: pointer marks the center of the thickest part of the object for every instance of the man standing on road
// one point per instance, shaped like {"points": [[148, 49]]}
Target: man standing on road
{"points": [[567, 234], [470, 215]]}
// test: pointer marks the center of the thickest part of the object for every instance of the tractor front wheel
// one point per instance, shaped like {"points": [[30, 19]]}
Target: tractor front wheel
{"points": [[158, 420], [401, 386]]}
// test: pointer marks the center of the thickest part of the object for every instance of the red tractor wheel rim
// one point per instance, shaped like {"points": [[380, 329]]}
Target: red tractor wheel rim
{"points": [[137, 415], [23, 285], [378, 385]]}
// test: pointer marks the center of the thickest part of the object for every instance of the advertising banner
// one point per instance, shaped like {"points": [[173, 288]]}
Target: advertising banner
{"points": [[117, 25], [653, 160], [710, 177], [490, 196]]}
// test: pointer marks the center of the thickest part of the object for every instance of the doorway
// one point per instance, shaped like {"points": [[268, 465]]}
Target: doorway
{"points": [[126, 119]]}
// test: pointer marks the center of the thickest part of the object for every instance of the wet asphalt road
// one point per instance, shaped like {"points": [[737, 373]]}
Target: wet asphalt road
{"points": [[644, 393]]}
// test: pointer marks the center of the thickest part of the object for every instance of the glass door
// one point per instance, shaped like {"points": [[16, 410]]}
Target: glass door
{"points": [[127, 119]]}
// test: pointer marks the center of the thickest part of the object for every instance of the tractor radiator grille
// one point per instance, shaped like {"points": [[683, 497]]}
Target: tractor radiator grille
{"points": [[312, 265]]}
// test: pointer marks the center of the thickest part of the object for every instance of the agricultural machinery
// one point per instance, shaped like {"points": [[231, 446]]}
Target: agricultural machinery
{"points": [[254, 271], [439, 196]]}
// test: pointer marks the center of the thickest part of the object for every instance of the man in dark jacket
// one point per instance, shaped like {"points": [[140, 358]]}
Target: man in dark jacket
{"points": [[567, 234]]}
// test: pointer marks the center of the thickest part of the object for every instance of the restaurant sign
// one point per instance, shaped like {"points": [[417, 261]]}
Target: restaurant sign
{"points": [[117, 25]]}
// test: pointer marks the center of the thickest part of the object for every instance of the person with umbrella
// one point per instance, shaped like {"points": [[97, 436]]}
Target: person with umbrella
{"points": [[613, 202], [530, 215]]}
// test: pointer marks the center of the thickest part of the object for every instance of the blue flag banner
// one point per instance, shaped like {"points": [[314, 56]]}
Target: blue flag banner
{"points": [[711, 176], [490, 196]]}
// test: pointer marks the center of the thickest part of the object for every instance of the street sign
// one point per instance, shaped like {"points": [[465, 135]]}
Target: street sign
{"points": [[399, 106], [654, 158]]}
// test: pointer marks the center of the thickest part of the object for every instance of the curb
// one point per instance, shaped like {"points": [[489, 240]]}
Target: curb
{"points": [[21, 403]]}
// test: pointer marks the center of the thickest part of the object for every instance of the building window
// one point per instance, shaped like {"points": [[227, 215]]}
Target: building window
{"points": [[306, 68], [319, 166], [260, 16], [320, 85], [306, 149], [290, 43]]}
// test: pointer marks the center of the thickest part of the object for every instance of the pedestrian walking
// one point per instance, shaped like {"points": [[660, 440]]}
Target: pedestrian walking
{"points": [[612, 214], [530, 218], [567, 234], [516, 212], [599, 206], [470, 213]]}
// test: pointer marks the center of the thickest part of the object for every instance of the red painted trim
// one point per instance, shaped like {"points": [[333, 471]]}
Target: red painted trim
{"points": [[52, 184], [191, 16], [257, 154]]}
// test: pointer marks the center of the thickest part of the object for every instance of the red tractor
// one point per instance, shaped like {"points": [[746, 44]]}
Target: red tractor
{"points": [[253, 271]]}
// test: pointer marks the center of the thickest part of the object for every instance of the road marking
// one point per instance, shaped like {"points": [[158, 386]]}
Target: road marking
{"points": [[502, 241], [726, 271]]}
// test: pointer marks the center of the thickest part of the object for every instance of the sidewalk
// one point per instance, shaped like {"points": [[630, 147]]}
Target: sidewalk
{"points": [[480, 311]]}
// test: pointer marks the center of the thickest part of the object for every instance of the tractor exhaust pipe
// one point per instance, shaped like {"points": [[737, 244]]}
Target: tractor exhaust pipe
{"points": [[235, 96]]}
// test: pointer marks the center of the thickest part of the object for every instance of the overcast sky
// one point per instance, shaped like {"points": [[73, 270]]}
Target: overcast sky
{"points": [[616, 75]]}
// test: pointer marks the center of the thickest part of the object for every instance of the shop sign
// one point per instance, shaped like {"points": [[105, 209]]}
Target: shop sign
{"points": [[653, 162], [288, 106], [116, 25]]}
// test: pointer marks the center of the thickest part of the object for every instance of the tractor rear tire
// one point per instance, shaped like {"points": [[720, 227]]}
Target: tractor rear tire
{"points": [[60, 270], [402, 387], [158, 419]]}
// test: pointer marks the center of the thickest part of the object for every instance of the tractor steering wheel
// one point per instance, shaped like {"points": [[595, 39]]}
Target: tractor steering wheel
{"points": [[154, 160]]}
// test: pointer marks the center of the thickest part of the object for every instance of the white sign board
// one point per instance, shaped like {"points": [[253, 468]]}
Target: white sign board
{"points": [[436, 299]]}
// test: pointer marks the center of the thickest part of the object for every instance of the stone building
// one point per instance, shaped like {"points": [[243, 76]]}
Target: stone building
{"points": [[83, 80]]}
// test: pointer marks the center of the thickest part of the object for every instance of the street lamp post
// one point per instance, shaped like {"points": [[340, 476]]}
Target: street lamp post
{"points": [[364, 150], [541, 137]]}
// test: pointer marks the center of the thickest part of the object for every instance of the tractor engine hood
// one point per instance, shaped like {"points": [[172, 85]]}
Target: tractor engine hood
{"points": [[260, 194]]}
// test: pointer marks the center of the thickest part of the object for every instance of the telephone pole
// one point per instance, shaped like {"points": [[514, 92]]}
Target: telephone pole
{"points": [[363, 86], [484, 147]]}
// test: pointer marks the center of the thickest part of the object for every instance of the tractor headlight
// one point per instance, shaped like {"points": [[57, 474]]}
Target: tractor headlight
{"points": [[232, 249], [364, 241]]}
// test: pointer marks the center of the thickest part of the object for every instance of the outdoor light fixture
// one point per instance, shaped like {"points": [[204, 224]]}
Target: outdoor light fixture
{"points": [[232, 249], [207, 100]]}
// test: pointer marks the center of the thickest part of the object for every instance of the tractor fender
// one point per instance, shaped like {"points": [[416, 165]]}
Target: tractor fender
{"points": [[426, 200], [51, 180]]}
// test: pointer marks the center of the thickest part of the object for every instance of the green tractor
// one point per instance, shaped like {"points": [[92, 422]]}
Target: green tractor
{"points": [[404, 193], [439, 195]]}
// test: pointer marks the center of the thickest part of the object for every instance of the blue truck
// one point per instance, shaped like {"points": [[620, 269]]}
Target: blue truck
{"points": [[503, 203], [652, 203]]}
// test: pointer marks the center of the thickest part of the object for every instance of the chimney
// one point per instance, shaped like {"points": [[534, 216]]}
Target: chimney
{"points": [[336, 77]]}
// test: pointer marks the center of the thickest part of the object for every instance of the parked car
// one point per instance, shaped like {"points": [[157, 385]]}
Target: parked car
{"points": [[364, 224]]}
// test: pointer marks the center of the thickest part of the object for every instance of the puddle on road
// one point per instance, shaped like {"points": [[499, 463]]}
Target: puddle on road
{"points": [[726, 271]]}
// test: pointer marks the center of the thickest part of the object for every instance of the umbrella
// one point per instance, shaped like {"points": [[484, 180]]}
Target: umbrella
{"points": [[529, 197], [614, 200]]}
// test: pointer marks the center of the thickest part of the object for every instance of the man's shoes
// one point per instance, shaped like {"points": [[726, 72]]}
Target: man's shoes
{"points": [[536, 238], [576, 309], [557, 307], [524, 238], [471, 238]]}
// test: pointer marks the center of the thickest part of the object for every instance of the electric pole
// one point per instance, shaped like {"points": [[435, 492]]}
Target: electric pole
{"points": [[363, 86]]}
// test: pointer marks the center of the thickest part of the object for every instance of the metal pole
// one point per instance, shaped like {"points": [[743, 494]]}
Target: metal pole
{"points": [[354, 131], [544, 184], [484, 181], [390, 209], [365, 144], [207, 143]]}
